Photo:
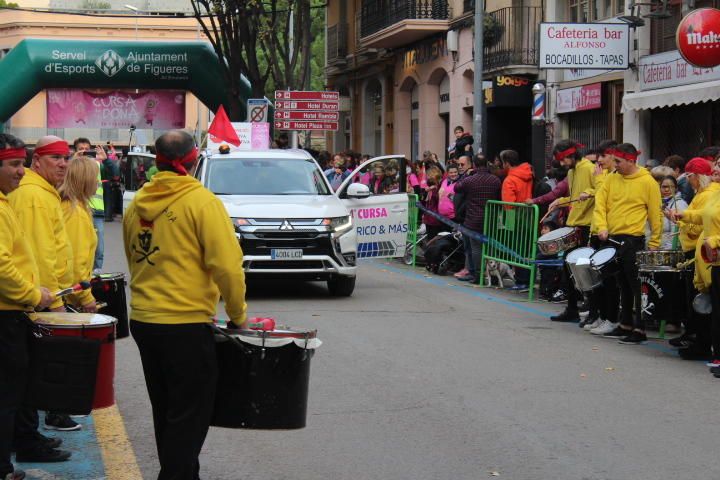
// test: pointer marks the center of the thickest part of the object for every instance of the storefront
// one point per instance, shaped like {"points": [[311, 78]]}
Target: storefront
{"points": [[508, 104], [678, 105]]}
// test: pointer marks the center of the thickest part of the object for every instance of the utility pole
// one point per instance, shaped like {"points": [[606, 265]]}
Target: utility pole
{"points": [[478, 75]]}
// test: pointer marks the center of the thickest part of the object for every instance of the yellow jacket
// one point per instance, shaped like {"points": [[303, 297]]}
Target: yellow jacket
{"points": [[37, 204], [625, 204], [690, 232], [19, 277], [83, 241], [709, 218], [599, 181], [581, 179], [182, 252]]}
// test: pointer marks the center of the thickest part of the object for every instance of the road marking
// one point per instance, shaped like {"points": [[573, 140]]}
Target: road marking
{"points": [[117, 452]]}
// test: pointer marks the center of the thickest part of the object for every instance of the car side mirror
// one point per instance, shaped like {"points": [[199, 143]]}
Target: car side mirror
{"points": [[358, 190]]}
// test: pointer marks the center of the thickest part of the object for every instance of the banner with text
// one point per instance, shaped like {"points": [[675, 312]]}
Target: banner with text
{"points": [[670, 69], [156, 109], [577, 99], [589, 46]]}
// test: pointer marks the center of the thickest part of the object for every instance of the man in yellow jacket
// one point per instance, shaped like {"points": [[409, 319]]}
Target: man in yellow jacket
{"points": [[20, 292], [627, 201], [580, 179], [182, 253], [37, 204]]}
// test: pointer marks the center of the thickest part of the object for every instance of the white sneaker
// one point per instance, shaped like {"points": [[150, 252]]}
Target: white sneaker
{"points": [[606, 327], [599, 321]]}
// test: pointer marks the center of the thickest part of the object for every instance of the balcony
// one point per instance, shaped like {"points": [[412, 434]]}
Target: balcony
{"points": [[394, 23], [337, 43], [511, 39]]}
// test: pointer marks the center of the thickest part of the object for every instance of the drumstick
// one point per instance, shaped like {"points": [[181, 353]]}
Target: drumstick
{"points": [[75, 288], [573, 201]]}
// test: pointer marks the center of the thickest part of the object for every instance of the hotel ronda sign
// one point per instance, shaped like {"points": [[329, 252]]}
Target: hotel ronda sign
{"points": [[587, 46], [34, 65]]}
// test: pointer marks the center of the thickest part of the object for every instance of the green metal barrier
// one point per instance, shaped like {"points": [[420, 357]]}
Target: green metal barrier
{"points": [[512, 231], [412, 227]]}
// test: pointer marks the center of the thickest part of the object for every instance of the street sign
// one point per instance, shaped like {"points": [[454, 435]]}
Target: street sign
{"points": [[257, 110], [293, 105], [292, 125], [300, 95], [298, 115]]}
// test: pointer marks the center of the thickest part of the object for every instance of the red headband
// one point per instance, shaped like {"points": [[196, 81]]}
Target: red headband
{"points": [[560, 155], [12, 153], [55, 148], [631, 157], [177, 163]]}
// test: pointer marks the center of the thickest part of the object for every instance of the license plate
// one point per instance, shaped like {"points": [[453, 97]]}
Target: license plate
{"points": [[286, 253]]}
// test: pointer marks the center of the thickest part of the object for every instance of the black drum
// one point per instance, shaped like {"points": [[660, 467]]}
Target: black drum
{"points": [[110, 288], [263, 378], [661, 292]]}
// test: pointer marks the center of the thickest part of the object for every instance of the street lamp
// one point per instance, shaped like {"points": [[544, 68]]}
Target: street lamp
{"points": [[137, 11]]}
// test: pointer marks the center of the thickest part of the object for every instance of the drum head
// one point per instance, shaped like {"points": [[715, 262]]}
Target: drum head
{"points": [[603, 256], [555, 234], [702, 304], [74, 320], [109, 276], [584, 252]]}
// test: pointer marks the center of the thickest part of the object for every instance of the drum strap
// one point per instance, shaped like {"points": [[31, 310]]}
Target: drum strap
{"points": [[223, 333]]}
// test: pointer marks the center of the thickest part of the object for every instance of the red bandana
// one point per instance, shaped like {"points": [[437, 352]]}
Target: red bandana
{"points": [[177, 163], [56, 148], [631, 157], [560, 155], [12, 153]]}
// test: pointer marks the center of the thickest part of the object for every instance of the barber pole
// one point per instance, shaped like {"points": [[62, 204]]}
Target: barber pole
{"points": [[538, 110]]}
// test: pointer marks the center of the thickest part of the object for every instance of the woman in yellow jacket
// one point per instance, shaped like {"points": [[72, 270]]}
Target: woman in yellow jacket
{"points": [[79, 186]]}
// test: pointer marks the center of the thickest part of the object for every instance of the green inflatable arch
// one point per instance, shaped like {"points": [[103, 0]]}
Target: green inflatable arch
{"points": [[36, 64]]}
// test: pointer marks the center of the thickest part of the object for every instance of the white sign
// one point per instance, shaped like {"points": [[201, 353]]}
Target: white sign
{"points": [[257, 110], [588, 46], [669, 69], [253, 136]]}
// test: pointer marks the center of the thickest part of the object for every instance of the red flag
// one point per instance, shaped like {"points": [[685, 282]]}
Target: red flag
{"points": [[222, 130]]}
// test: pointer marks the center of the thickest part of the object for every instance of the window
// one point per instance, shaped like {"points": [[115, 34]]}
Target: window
{"points": [[583, 11], [382, 176]]}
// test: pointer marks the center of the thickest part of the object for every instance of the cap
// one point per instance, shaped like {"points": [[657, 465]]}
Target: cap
{"points": [[699, 166]]}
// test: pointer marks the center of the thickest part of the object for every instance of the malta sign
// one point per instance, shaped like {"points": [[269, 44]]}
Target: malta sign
{"points": [[577, 99], [588, 46], [698, 37]]}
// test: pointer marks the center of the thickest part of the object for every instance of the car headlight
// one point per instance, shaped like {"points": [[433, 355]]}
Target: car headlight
{"points": [[338, 224], [239, 223]]}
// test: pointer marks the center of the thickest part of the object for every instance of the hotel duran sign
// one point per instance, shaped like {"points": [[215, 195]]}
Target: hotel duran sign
{"points": [[588, 46]]}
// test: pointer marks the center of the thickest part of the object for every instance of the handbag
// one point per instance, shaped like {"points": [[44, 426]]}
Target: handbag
{"points": [[62, 372]]}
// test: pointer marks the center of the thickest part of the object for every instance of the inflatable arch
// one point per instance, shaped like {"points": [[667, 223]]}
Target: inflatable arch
{"points": [[37, 64]]}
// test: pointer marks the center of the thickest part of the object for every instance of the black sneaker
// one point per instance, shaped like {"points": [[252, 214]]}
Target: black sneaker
{"points": [[619, 332], [715, 370], [61, 422], [50, 442], [683, 341], [635, 338], [558, 297], [566, 316], [693, 352], [42, 455], [16, 475]]}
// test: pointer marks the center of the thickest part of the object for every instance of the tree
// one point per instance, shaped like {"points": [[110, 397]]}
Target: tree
{"points": [[95, 5], [252, 37], [4, 4]]}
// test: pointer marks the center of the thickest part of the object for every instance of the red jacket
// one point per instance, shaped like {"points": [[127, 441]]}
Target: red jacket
{"points": [[518, 185]]}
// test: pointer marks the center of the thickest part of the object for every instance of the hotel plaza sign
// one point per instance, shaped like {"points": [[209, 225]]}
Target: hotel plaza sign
{"points": [[588, 46]]}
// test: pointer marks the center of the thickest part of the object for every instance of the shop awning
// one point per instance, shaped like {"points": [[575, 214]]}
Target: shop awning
{"points": [[667, 97]]}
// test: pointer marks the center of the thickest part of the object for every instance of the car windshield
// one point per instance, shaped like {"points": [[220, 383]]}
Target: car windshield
{"points": [[265, 176]]}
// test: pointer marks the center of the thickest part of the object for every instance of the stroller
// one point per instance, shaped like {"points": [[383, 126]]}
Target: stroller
{"points": [[445, 253], [420, 246]]}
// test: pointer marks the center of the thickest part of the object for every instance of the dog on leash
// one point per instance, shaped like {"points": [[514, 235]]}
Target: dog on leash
{"points": [[502, 272]]}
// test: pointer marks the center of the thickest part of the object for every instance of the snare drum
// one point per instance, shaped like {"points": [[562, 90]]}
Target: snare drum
{"points": [[558, 241], [92, 326], [659, 260], [702, 304], [263, 378], [576, 271], [110, 288]]}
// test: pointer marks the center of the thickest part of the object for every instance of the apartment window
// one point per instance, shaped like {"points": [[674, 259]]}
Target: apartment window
{"points": [[583, 11]]}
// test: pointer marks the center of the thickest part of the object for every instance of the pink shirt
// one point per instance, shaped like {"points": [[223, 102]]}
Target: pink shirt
{"points": [[446, 208]]}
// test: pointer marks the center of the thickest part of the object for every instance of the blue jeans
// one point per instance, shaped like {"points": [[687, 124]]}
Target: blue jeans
{"points": [[99, 224], [469, 264]]}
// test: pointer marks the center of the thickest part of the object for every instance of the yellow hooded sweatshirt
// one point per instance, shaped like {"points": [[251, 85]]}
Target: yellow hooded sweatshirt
{"points": [[709, 218], [625, 204], [599, 181], [19, 277], [581, 178], [83, 241], [690, 232], [37, 204], [182, 252]]}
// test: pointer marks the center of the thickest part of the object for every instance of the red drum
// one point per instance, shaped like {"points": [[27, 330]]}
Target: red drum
{"points": [[110, 288], [92, 326]]}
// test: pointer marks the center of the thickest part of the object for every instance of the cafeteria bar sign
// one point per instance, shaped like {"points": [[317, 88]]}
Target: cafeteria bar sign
{"points": [[588, 46]]}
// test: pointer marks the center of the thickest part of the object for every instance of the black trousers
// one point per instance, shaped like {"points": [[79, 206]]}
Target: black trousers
{"points": [[13, 379], [627, 282], [180, 367], [715, 316], [599, 298], [583, 234]]}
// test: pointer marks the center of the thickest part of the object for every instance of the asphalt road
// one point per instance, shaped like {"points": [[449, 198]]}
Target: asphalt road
{"points": [[419, 378]]}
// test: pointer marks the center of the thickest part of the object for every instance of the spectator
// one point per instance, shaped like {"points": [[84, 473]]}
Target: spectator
{"points": [[433, 225], [677, 163], [496, 168], [671, 200], [660, 172], [477, 189], [324, 159], [338, 173], [380, 183], [446, 207], [463, 143], [516, 188], [432, 160], [283, 141], [551, 287]]}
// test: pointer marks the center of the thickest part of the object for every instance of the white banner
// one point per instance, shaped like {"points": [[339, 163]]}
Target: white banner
{"points": [[669, 69], [588, 46]]}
